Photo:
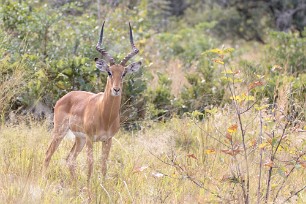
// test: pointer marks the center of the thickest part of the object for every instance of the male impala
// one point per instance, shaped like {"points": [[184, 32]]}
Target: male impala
{"points": [[92, 117]]}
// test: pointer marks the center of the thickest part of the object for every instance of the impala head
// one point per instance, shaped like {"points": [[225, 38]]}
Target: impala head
{"points": [[116, 72]]}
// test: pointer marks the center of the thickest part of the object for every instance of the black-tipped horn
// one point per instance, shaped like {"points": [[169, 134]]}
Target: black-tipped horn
{"points": [[101, 35], [101, 50], [135, 50]]}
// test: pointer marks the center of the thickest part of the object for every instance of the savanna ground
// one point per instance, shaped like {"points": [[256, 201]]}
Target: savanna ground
{"points": [[181, 161]]}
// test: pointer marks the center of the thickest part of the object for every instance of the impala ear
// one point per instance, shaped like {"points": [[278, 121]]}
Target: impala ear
{"points": [[101, 65], [134, 67]]}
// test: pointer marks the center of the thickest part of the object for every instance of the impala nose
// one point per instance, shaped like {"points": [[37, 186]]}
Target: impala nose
{"points": [[116, 90]]}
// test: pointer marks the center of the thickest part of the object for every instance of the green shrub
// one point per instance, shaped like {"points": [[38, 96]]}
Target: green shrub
{"points": [[288, 51], [205, 88], [133, 106], [285, 60], [160, 99], [187, 43]]}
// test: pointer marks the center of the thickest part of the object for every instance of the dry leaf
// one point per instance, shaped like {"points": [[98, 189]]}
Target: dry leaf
{"points": [[276, 68], [157, 174], [263, 145], [140, 169], [303, 163], [228, 136], [210, 151], [192, 156], [226, 177], [219, 61], [269, 140], [237, 72], [232, 129], [253, 143], [269, 164], [254, 84], [229, 178], [232, 152]]}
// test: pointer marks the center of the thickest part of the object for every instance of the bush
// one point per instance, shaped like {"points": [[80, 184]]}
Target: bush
{"points": [[288, 51], [14, 75], [133, 106], [160, 99], [286, 70], [187, 43], [205, 88]]}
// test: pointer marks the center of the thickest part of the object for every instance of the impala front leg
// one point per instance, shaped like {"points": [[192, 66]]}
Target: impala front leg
{"points": [[106, 145], [89, 158]]}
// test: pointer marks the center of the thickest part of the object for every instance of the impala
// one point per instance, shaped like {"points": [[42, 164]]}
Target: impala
{"points": [[92, 117]]}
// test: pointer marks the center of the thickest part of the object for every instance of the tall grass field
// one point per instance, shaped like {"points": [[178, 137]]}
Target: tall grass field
{"points": [[185, 160]]}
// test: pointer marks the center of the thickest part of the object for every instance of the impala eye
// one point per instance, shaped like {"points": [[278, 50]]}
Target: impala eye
{"points": [[109, 73], [123, 74]]}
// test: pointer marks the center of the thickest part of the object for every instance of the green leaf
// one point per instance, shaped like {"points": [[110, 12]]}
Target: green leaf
{"points": [[212, 111], [297, 166], [228, 50], [196, 113], [274, 141], [257, 107], [281, 172], [227, 72], [243, 97]]}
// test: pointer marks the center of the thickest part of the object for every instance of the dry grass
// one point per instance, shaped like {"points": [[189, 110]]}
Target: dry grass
{"points": [[11, 81], [176, 72], [174, 69], [176, 162]]}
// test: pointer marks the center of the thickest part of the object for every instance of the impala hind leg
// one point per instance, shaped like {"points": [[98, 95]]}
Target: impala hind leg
{"points": [[71, 152], [75, 151], [58, 135], [106, 145]]}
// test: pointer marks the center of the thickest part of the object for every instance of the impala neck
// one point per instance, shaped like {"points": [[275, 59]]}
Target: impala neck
{"points": [[110, 105]]}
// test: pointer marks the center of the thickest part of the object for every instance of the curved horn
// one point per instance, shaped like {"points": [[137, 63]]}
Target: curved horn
{"points": [[101, 50], [134, 52]]}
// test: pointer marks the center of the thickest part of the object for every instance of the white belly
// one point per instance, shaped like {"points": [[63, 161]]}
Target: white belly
{"points": [[72, 135], [102, 137]]}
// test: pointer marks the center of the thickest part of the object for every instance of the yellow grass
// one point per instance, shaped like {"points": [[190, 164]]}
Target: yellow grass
{"points": [[8, 82], [199, 172]]}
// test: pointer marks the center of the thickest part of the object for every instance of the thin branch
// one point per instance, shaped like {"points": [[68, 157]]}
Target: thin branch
{"points": [[245, 191], [294, 194], [282, 185], [218, 140], [126, 186], [279, 142], [272, 159], [246, 110], [269, 175], [108, 195], [245, 158], [260, 163], [287, 176], [186, 175]]}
